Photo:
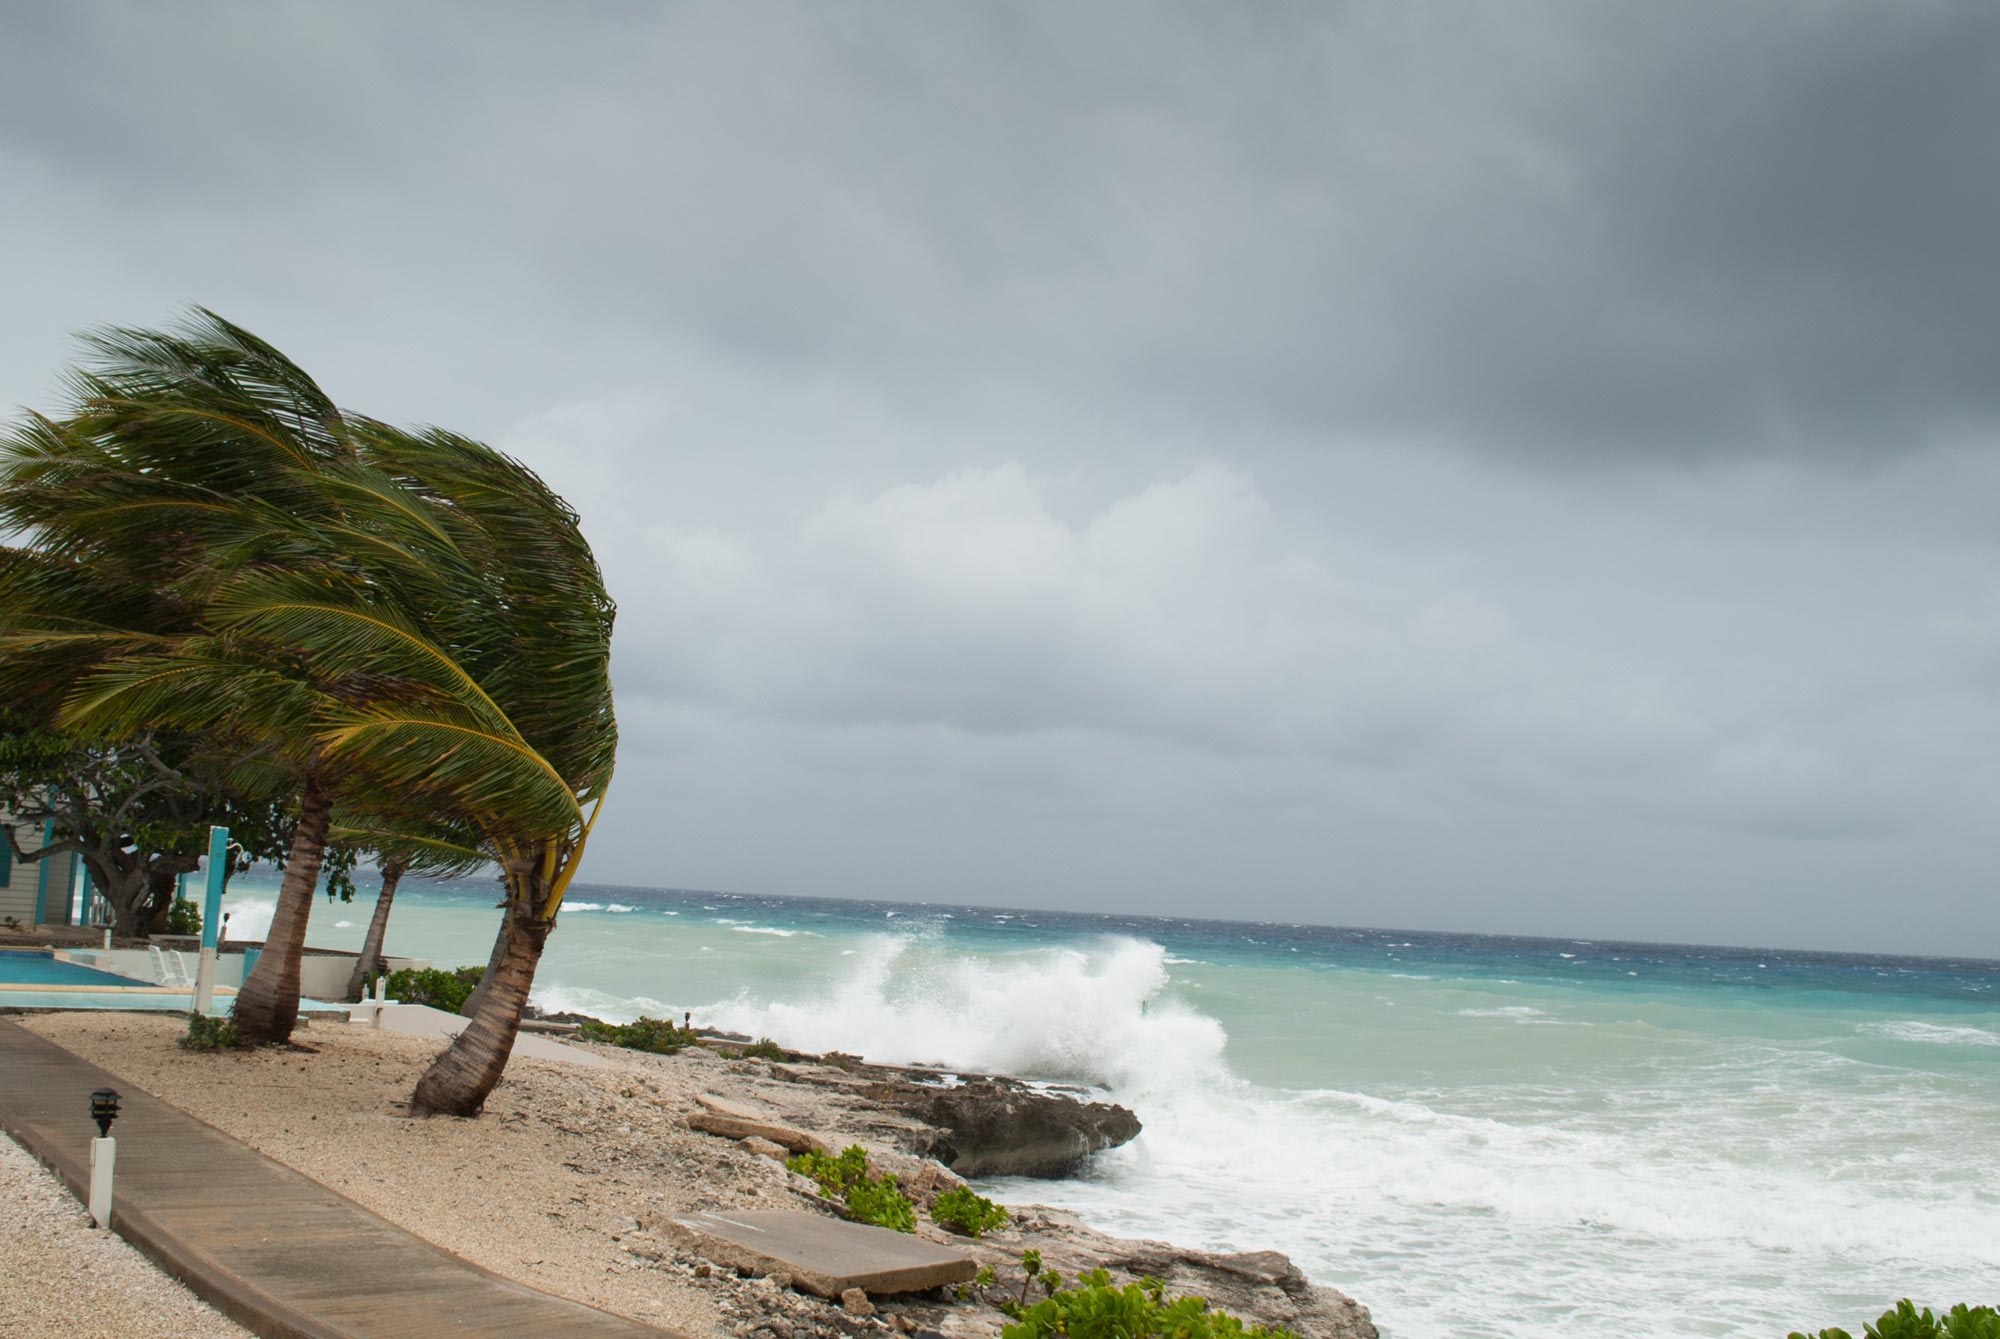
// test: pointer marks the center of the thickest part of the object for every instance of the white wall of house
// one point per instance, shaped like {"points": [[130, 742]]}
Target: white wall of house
{"points": [[25, 885]]}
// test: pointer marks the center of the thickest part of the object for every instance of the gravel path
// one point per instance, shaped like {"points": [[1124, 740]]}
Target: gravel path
{"points": [[60, 1278]]}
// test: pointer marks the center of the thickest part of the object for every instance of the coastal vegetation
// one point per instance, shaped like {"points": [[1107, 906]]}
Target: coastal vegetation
{"points": [[433, 986], [1905, 1321], [1095, 1308], [868, 1197], [660, 1036], [210, 1032], [966, 1212], [399, 638]]}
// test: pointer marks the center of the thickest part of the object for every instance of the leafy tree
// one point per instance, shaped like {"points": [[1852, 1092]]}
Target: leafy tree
{"points": [[136, 812]]}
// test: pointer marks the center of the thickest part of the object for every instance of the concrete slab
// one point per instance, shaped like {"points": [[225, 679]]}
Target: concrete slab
{"points": [[732, 1120], [420, 1020], [823, 1255]]}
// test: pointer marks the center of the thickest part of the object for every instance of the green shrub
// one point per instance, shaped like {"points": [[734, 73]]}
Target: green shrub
{"points": [[210, 1033], [183, 918], [657, 1035], [1093, 1309], [427, 985], [881, 1202], [836, 1176], [1906, 1322], [763, 1049], [876, 1200], [966, 1213]]}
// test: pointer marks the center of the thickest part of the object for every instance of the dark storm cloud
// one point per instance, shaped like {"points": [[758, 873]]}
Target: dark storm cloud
{"points": [[1103, 454], [1563, 231]]}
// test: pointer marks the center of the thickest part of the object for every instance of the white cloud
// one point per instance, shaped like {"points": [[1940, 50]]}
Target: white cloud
{"points": [[1189, 611]]}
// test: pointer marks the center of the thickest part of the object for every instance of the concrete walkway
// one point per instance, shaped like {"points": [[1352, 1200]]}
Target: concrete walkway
{"points": [[280, 1253]]}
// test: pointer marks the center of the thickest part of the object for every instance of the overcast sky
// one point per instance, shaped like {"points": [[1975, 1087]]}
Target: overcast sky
{"points": [[1513, 467]]}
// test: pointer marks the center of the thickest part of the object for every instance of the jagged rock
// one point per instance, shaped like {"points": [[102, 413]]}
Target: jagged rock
{"points": [[731, 1120], [930, 1180], [1261, 1286], [855, 1303], [763, 1148], [987, 1129]]}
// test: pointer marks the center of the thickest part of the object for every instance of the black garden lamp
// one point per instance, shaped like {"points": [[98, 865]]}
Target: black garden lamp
{"points": [[104, 1109]]}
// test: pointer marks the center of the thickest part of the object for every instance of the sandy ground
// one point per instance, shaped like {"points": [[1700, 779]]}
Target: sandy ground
{"points": [[60, 1278], [561, 1184]]}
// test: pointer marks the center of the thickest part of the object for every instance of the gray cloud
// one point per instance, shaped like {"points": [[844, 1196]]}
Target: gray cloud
{"points": [[1690, 230], [1527, 468]]}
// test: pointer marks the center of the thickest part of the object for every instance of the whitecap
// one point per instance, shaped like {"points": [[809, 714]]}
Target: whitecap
{"points": [[1932, 1034]]}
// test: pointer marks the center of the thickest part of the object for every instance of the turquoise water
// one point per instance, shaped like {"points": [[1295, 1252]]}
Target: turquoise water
{"points": [[45, 969], [1476, 1136]]}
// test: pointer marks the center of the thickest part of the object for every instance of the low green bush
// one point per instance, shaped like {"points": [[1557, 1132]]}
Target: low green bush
{"points": [[962, 1211], [1094, 1309], [881, 1202], [660, 1036], [835, 1175], [183, 918], [1906, 1322], [208, 1032], [763, 1049], [427, 985], [876, 1200]]}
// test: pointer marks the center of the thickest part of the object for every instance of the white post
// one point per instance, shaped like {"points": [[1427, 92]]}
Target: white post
{"points": [[103, 1156], [211, 920], [204, 981]]}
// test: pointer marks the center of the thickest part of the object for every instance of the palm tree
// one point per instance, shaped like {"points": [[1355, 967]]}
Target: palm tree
{"points": [[544, 652], [344, 596], [394, 866]]}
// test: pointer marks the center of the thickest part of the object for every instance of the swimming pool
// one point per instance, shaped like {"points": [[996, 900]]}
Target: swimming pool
{"points": [[38, 967]]}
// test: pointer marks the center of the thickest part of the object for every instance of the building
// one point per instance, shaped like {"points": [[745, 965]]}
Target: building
{"points": [[37, 892]]}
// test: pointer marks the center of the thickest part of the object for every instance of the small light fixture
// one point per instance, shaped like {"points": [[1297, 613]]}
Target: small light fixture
{"points": [[104, 1109]]}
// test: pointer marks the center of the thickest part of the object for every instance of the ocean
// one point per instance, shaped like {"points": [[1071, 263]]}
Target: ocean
{"points": [[1476, 1136]]}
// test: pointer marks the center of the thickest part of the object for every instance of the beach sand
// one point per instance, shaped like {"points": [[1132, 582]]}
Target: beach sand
{"points": [[556, 1185], [567, 1180]]}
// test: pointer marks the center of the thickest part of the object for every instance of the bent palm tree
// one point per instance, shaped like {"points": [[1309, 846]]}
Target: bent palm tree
{"points": [[394, 866], [364, 599]]}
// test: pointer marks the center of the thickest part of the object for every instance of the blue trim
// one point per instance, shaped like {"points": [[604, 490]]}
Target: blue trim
{"points": [[89, 894], [218, 870], [42, 874]]}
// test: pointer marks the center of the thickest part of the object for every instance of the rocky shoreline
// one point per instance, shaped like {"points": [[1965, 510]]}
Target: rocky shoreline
{"points": [[572, 1179], [935, 1128]]}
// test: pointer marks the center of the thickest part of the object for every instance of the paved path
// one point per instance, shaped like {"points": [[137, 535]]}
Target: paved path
{"points": [[278, 1252]]}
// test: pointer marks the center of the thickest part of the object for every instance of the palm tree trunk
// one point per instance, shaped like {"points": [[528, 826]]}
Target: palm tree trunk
{"points": [[478, 995], [378, 925], [267, 1007], [458, 1081]]}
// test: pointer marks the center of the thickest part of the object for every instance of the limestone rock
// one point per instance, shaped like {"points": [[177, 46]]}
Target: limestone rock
{"points": [[732, 1120], [763, 1148], [855, 1303], [930, 1180], [991, 1129]]}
